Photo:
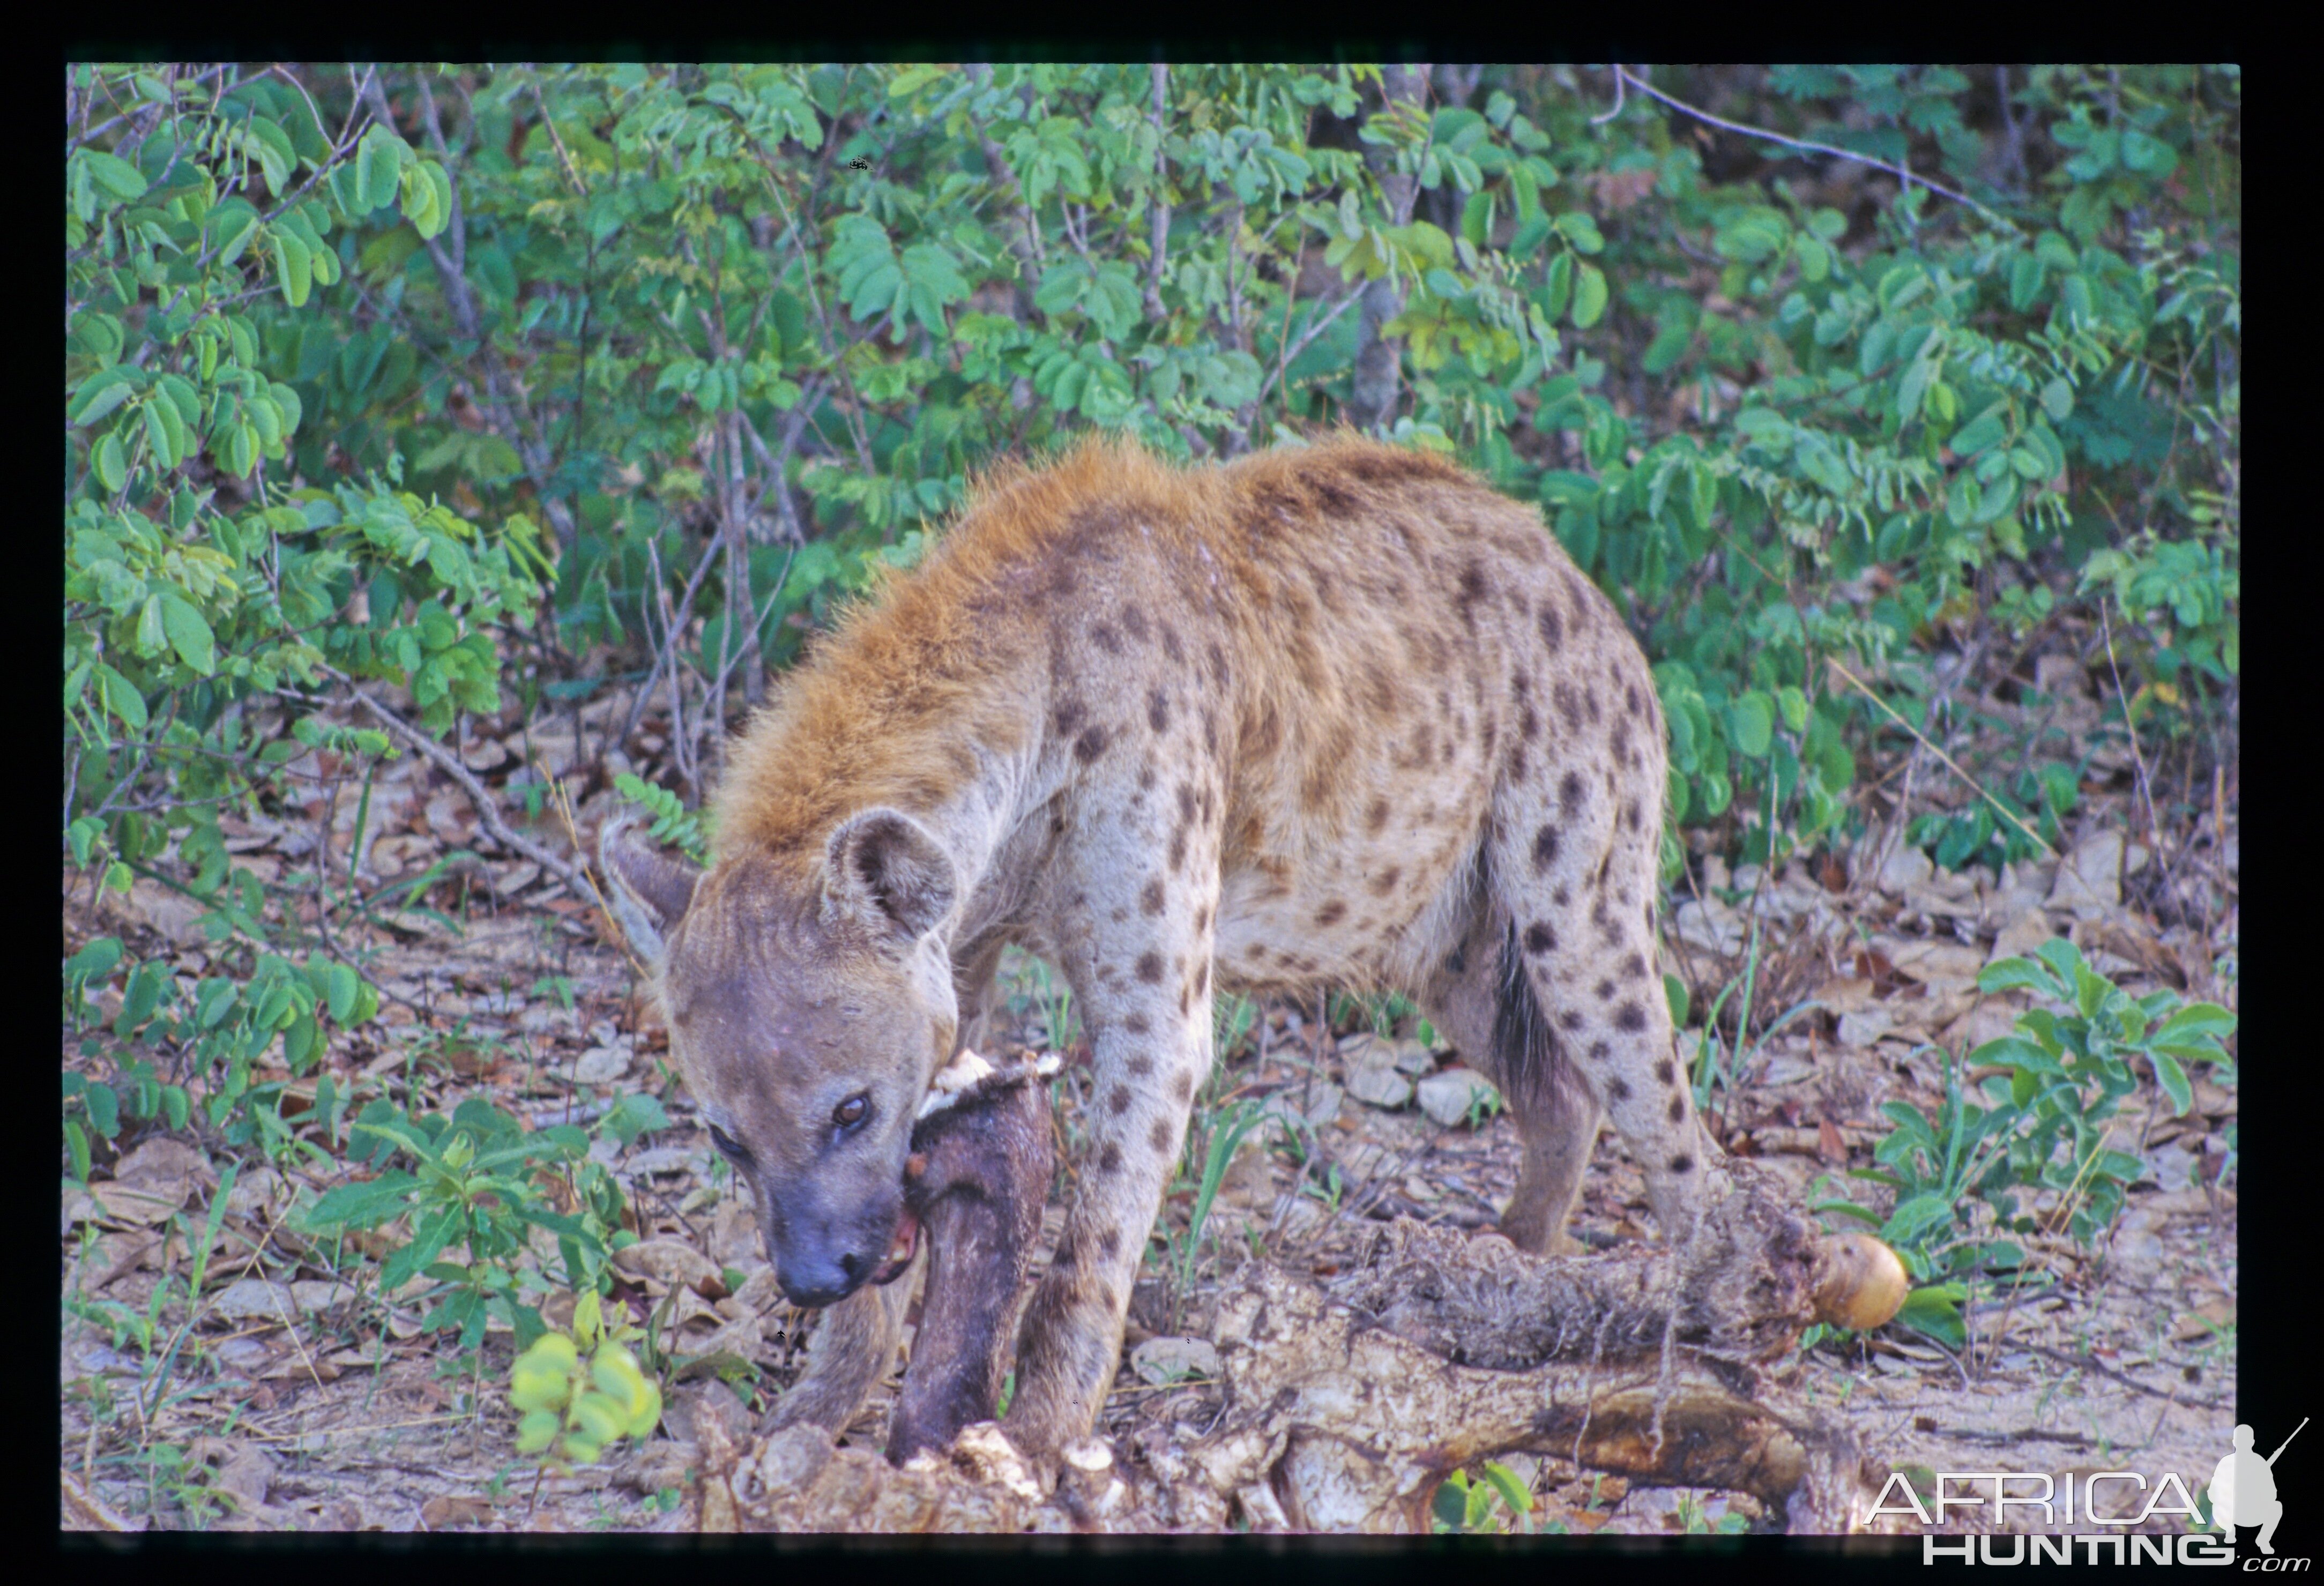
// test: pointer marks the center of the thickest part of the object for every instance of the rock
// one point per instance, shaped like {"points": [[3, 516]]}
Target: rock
{"points": [[712, 1399], [602, 1066], [1381, 1087], [1448, 1097], [1163, 1360], [1323, 1106], [792, 1457], [1373, 1076]]}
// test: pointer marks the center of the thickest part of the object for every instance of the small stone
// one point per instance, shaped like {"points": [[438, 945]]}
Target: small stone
{"points": [[1448, 1097], [1163, 1360], [1415, 1058], [1373, 1076], [602, 1066], [1323, 1105]]}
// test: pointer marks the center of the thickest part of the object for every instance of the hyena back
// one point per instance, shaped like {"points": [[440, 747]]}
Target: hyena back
{"points": [[1333, 715]]}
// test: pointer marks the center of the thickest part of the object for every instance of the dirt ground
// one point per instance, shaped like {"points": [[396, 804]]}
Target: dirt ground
{"points": [[292, 1398]]}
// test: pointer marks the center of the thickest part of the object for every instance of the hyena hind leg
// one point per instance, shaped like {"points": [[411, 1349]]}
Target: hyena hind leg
{"points": [[1483, 1001], [1579, 887]]}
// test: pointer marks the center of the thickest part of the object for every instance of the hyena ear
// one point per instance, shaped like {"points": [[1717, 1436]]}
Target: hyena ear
{"points": [[886, 872], [650, 891]]}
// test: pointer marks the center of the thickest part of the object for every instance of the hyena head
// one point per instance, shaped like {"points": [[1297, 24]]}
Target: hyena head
{"points": [[807, 1007]]}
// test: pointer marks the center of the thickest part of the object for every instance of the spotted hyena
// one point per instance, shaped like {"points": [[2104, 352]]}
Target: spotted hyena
{"points": [[1337, 714]]}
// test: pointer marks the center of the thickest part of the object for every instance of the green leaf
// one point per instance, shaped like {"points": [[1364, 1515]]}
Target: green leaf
{"points": [[112, 464], [1557, 289], [1915, 1216], [189, 633], [1793, 706], [2148, 156], [120, 179], [165, 434], [121, 697], [1751, 723], [1589, 296], [1935, 1310], [100, 394], [2174, 1080], [293, 268], [1582, 230], [342, 985]]}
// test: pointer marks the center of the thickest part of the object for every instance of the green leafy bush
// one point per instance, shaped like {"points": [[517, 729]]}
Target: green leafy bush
{"points": [[2040, 1120], [475, 1189], [770, 317]]}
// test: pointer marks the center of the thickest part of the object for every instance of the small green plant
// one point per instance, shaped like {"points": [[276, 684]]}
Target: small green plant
{"points": [[1496, 1503], [2038, 1117], [1234, 1020], [1716, 1066], [219, 1033], [687, 829], [1224, 1131], [581, 1391], [477, 1191], [1692, 1521], [1484, 1106]]}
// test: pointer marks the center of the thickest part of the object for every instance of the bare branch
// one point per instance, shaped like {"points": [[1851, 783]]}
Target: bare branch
{"points": [[487, 811], [1903, 172], [1159, 232]]}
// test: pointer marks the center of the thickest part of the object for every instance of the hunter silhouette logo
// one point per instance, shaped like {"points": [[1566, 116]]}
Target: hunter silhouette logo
{"points": [[2243, 1488]]}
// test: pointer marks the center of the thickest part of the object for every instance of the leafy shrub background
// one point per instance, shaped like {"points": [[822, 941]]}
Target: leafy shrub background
{"points": [[503, 386]]}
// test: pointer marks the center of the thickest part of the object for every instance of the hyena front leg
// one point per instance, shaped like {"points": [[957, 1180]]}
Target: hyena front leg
{"points": [[854, 1345], [1144, 989]]}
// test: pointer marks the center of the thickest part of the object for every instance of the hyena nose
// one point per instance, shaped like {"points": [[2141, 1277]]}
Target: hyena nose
{"points": [[814, 1281]]}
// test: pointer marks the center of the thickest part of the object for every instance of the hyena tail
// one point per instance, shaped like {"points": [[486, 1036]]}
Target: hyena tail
{"points": [[1531, 1064]]}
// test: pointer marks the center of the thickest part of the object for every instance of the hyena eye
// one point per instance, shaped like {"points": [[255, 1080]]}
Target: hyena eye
{"points": [[852, 1111]]}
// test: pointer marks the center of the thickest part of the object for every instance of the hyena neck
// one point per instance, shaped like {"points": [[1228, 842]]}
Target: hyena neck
{"points": [[973, 824]]}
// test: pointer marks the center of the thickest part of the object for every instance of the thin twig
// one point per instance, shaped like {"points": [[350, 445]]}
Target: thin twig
{"points": [[1291, 350], [2137, 759], [1160, 221], [2007, 813], [665, 652], [487, 811], [1903, 173]]}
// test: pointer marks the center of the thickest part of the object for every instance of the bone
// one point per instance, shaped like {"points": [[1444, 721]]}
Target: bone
{"points": [[979, 1174]]}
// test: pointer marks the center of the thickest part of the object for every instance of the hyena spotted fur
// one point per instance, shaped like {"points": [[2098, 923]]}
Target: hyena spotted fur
{"points": [[1337, 714]]}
